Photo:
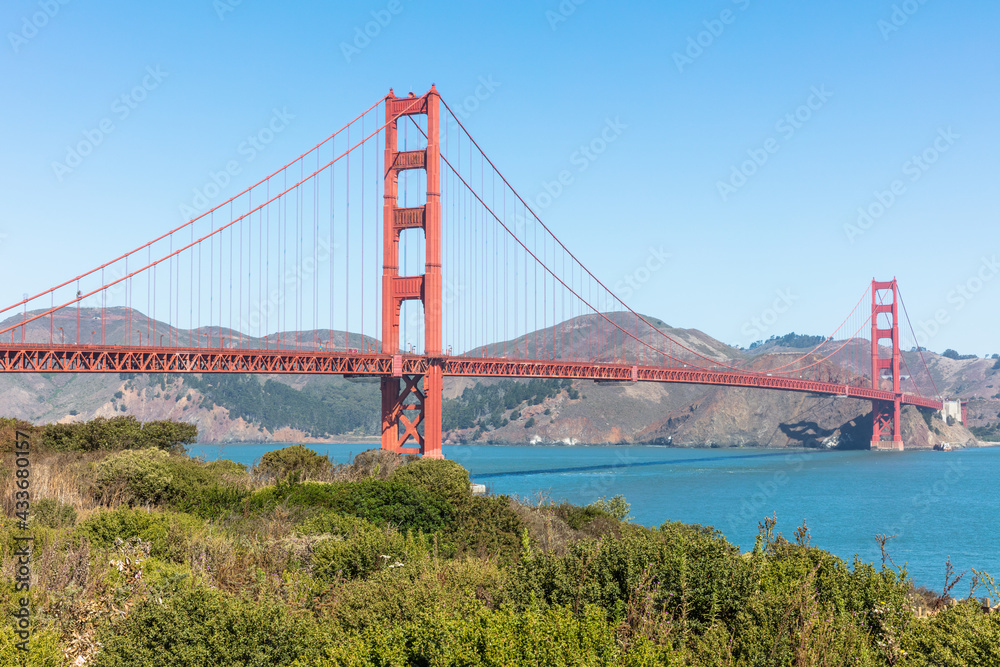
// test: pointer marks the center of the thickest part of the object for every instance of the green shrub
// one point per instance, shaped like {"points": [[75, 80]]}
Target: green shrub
{"points": [[53, 514], [394, 596], [8, 432], [152, 476], [445, 479], [44, 649], [367, 550], [282, 462], [212, 500], [498, 638], [223, 467], [378, 501], [118, 433], [484, 527], [378, 463], [960, 636], [197, 626], [169, 532], [694, 569], [615, 507], [332, 523], [63, 438], [146, 474], [172, 436], [577, 517]]}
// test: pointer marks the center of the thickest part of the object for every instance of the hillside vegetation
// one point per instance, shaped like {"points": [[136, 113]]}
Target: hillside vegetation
{"points": [[147, 557]]}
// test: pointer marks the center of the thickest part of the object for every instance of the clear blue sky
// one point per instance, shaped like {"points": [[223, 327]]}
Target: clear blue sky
{"points": [[883, 87]]}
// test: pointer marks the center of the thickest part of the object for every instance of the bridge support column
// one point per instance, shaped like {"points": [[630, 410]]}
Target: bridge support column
{"points": [[411, 404], [885, 426], [885, 415]]}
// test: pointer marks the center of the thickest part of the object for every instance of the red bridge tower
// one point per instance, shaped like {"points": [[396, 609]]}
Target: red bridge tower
{"points": [[412, 401], [885, 415]]}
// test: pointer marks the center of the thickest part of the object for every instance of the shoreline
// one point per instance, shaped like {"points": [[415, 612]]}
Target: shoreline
{"points": [[373, 440]]}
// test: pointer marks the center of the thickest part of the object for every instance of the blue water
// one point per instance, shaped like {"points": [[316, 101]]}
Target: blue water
{"points": [[940, 504]]}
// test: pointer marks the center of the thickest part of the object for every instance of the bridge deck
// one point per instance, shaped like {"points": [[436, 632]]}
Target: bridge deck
{"points": [[127, 359]]}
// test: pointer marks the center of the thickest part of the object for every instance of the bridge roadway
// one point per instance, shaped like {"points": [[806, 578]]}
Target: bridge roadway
{"points": [[28, 358]]}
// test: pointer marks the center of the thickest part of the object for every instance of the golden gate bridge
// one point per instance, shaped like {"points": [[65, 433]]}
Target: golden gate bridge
{"points": [[396, 250]]}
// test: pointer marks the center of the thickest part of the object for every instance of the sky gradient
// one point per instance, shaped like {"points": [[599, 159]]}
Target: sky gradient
{"points": [[750, 137]]}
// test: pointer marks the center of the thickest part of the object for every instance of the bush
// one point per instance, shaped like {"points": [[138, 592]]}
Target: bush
{"points": [[222, 467], [168, 532], [198, 626], [486, 527], [696, 571], [43, 648], [441, 477], [961, 636], [169, 435], [366, 550], [282, 462], [378, 501], [617, 508], [378, 463], [118, 433], [577, 517], [8, 432], [332, 523], [405, 595], [53, 514], [147, 475], [152, 476], [556, 636]]}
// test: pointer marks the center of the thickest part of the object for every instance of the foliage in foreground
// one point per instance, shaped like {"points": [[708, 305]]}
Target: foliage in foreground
{"points": [[208, 564], [102, 434]]}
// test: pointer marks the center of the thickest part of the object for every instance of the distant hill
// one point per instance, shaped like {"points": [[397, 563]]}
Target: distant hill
{"points": [[312, 408]]}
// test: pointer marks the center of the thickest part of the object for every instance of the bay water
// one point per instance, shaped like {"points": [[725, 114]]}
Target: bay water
{"points": [[937, 504]]}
